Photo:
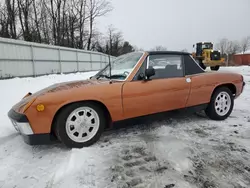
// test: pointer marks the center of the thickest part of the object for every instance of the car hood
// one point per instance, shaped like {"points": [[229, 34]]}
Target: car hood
{"points": [[57, 88], [68, 85]]}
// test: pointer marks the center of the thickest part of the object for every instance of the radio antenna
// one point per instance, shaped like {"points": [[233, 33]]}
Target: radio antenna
{"points": [[109, 66]]}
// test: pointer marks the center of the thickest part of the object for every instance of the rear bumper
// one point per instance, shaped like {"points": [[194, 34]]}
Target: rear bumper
{"points": [[22, 125]]}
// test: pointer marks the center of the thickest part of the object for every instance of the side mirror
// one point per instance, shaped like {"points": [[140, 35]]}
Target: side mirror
{"points": [[149, 72]]}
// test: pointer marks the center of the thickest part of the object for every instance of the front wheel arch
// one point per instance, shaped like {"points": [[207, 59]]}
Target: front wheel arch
{"points": [[107, 113]]}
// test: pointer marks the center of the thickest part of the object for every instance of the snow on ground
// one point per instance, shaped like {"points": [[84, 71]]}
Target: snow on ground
{"points": [[180, 150]]}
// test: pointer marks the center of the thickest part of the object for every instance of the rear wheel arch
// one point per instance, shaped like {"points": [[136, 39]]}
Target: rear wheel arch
{"points": [[106, 111], [230, 86]]}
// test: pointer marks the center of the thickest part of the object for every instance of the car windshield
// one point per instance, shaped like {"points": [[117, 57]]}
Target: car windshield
{"points": [[121, 67]]}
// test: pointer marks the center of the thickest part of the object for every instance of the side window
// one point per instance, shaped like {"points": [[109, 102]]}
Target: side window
{"points": [[191, 66], [166, 66]]}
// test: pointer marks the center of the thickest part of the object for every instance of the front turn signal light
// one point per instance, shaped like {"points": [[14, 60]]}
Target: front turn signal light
{"points": [[40, 107]]}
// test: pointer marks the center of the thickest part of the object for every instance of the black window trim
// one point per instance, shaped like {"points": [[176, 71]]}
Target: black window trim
{"points": [[202, 70], [136, 74]]}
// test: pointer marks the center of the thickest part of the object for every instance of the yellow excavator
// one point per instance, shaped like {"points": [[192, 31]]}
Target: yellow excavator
{"points": [[206, 56]]}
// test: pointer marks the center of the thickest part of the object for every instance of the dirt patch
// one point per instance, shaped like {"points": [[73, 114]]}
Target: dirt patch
{"points": [[169, 186], [134, 182], [127, 157], [137, 167], [134, 163], [150, 158], [117, 168], [200, 132], [234, 147], [130, 173], [140, 150], [161, 169], [201, 176], [230, 147], [219, 168]]}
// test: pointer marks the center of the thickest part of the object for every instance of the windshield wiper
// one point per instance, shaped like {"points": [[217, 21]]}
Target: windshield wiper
{"points": [[102, 76], [118, 76], [110, 77]]}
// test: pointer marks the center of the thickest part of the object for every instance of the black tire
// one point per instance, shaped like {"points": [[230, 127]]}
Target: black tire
{"points": [[60, 125], [211, 110], [202, 65], [215, 68]]}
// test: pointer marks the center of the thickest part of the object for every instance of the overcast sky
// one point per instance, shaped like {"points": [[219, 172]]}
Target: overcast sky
{"points": [[178, 24]]}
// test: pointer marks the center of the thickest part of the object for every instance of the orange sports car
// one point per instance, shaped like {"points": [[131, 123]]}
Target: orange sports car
{"points": [[133, 85]]}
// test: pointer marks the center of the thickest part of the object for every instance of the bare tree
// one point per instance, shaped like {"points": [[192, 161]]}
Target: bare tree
{"points": [[37, 22], [96, 9], [222, 45], [24, 7], [159, 48], [245, 44], [11, 19], [4, 32], [73, 24], [80, 7], [61, 22], [232, 47], [45, 19], [114, 43]]}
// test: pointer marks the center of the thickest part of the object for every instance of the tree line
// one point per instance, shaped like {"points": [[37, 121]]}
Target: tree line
{"points": [[226, 46], [68, 23], [72, 23], [229, 47]]}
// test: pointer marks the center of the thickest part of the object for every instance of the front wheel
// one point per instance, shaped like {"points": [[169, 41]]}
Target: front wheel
{"points": [[80, 124], [221, 104], [215, 68]]}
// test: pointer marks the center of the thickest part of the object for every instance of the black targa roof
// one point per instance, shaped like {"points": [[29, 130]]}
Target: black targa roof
{"points": [[168, 52]]}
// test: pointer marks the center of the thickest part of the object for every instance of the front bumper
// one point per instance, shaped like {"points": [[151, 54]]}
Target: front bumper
{"points": [[22, 125]]}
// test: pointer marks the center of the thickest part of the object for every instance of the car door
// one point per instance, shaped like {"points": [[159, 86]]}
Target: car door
{"points": [[201, 86], [167, 90]]}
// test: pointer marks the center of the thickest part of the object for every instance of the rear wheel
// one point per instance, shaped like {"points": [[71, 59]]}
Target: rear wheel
{"points": [[221, 104], [215, 68], [80, 125]]}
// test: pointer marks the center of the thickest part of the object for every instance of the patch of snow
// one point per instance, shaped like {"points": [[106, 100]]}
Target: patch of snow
{"points": [[184, 151]]}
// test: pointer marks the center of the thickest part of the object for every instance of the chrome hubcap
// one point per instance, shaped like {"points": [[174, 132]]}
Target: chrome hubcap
{"points": [[82, 124], [222, 103]]}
